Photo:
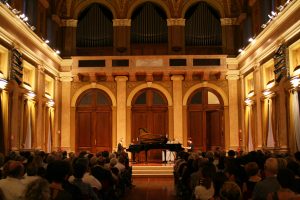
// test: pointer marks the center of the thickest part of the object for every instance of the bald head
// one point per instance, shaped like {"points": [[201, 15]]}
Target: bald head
{"points": [[271, 166]]}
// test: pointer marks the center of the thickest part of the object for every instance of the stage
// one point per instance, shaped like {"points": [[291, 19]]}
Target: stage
{"points": [[152, 169]]}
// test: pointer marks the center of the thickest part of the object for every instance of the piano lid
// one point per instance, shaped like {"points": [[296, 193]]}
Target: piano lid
{"points": [[145, 137]]}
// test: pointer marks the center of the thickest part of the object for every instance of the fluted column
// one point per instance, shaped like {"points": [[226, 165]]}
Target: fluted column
{"points": [[121, 35], [233, 77], [177, 105], [176, 35], [40, 91], [121, 108], [66, 79]]}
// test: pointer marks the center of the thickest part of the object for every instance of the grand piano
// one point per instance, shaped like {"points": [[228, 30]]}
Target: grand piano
{"points": [[148, 141]]}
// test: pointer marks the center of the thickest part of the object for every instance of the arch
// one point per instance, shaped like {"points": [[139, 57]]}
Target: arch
{"points": [[151, 85], [213, 3], [136, 4], [205, 84], [84, 4], [93, 86]]}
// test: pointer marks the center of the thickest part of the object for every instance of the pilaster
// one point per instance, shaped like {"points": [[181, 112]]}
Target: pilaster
{"points": [[121, 35], [121, 108], [176, 35], [233, 77], [66, 79], [40, 124], [177, 105]]}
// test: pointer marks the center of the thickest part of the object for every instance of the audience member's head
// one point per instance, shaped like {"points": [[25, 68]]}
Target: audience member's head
{"points": [[230, 191], [80, 167], [31, 169], [58, 171], [231, 153], [285, 178], [297, 156], [38, 190], [15, 169], [271, 167], [251, 169]]}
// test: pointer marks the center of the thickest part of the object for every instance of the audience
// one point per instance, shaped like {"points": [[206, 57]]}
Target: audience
{"points": [[38, 189]]}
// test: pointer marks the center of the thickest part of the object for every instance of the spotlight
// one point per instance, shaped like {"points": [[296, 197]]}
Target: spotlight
{"points": [[241, 50], [57, 51], [32, 28], [251, 39], [16, 12], [47, 41], [25, 19], [22, 16], [263, 26], [274, 13], [280, 8]]}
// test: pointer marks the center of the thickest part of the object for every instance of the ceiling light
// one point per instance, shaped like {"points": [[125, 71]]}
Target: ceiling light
{"points": [[22, 16], [47, 41], [248, 101], [3, 83], [263, 26]]}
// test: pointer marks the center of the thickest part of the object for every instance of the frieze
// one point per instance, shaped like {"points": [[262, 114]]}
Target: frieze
{"points": [[121, 22], [176, 22]]}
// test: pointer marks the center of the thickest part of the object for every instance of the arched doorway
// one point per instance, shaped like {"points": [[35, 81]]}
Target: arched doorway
{"points": [[205, 119], [149, 111], [93, 121]]}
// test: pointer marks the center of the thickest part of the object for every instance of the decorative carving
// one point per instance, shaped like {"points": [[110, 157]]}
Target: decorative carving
{"points": [[229, 21], [121, 22], [176, 22], [68, 23]]}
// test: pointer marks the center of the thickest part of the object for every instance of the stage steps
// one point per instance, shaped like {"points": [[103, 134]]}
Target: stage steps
{"points": [[152, 170]]}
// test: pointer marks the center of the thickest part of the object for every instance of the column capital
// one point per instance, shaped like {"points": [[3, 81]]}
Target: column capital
{"points": [[68, 22], [233, 75], [66, 76], [177, 77], [176, 22], [229, 21], [121, 22], [121, 78]]}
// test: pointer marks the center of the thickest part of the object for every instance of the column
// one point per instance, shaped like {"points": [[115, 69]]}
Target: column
{"points": [[121, 35], [66, 79], [233, 77], [40, 92], [121, 108], [229, 26], [177, 105], [257, 91], [57, 116], [282, 133], [15, 117], [176, 35], [69, 27]]}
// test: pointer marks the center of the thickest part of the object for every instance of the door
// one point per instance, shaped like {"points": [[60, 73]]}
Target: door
{"points": [[93, 122], [149, 111], [205, 119]]}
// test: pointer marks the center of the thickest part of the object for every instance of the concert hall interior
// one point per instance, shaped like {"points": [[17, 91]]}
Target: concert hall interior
{"points": [[84, 75]]}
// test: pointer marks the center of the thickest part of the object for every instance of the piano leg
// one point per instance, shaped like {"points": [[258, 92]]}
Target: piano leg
{"points": [[165, 156]]}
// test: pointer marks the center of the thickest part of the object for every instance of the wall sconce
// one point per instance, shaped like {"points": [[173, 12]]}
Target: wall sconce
{"points": [[3, 82], [295, 81], [47, 95], [248, 101], [31, 95], [27, 86], [50, 103], [270, 84], [250, 94]]}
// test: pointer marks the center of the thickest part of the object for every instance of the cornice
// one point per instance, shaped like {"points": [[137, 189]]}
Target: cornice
{"points": [[246, 57], [12, 38]]}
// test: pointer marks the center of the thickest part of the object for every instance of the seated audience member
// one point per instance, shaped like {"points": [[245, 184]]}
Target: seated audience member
{"points": [[31, 174], [87, 177], [252, 172], [38, 189], [219, 179], [295, 167], [205, 190], [230, 191], [11, 188], [57, 173], [285, 178], [270, 183], [79, 169]]}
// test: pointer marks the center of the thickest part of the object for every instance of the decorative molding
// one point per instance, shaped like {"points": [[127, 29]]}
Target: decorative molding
{"points": [[121, 78], [66, 76], [229, 21], [176, 22], [177, 77], [69, 22], [233, 75], [121, 22]]}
